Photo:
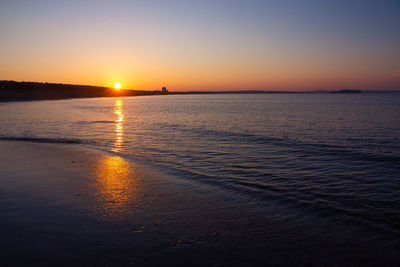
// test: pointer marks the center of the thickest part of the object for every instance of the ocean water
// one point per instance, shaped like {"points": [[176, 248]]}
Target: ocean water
{"points": [[335, 157]]}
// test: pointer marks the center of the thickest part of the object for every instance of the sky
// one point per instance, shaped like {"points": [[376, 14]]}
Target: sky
{"points": [[203, 45]]}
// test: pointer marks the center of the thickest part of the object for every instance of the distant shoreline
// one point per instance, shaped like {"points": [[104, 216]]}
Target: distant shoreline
{"points": [[27, 91]]}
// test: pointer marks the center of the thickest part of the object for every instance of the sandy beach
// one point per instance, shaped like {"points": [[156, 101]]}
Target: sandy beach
{"points": [[71, 205], [67, 205]]}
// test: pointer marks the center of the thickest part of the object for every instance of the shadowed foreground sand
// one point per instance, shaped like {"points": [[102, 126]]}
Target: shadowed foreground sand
{"points": [[69, 205]]}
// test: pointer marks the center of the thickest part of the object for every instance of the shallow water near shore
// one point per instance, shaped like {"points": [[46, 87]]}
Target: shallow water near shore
{"points": [[304, 175]]}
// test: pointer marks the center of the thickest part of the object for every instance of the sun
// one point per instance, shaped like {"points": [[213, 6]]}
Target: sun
{"points": [[117, 85]]}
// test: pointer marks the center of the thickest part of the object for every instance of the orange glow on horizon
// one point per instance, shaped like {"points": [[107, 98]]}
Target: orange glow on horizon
{"points": [[266, 51]]}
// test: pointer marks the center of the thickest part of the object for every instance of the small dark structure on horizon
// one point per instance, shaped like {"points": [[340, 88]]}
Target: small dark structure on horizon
{"points": [[164, 90]]}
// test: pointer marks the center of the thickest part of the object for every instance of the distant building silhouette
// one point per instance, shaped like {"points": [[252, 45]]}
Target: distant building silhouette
{"points": [[164, 90]]}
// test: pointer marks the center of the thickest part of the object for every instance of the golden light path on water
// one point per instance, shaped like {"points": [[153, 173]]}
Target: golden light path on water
{"points": [[119, 127], [118, 187], [117, 182]]}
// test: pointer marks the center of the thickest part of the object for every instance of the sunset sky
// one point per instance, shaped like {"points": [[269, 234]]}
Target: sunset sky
{"points": [[203, 45]]}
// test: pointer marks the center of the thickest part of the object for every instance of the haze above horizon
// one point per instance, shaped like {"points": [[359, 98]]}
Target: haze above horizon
{"points": [[203, 45]]}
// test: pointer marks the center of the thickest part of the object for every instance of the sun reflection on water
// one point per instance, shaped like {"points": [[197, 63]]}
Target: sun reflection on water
{"points": [[119, 127], [117, 187]]}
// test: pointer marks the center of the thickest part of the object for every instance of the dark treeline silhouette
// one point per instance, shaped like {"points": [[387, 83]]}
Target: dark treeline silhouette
{"points": [[12, 91]]}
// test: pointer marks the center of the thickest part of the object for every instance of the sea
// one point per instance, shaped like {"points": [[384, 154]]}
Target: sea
{"points": [[330, 156]]}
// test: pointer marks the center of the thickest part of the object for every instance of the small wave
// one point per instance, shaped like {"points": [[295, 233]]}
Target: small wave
{"points": [[102, 122], [94, 122], [45, 140], [297, 146], [323, 204]]}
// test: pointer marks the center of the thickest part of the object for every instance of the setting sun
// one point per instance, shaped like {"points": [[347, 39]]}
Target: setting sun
{"points": [[117, 85]]}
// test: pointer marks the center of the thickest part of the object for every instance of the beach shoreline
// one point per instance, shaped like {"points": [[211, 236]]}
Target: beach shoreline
{"points": [[72, 205], [65, 204]]}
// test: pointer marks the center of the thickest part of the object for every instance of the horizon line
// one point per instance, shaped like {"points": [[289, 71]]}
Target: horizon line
{"points": [[214, 90]]}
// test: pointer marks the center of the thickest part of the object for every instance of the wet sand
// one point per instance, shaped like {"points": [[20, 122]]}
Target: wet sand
{"points": [[71, 205]]}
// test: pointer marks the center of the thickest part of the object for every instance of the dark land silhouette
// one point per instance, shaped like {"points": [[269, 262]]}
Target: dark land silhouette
{"points": [[17, 91], [24, 91], [346, 91]]}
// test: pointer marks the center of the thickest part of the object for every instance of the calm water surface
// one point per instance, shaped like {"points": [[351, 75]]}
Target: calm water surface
{"points": [[332, 156]]}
